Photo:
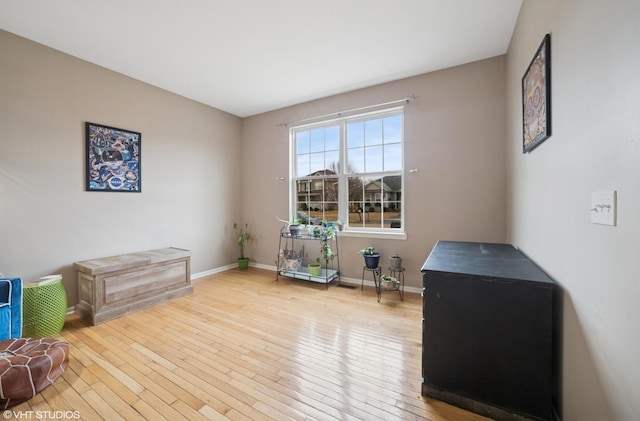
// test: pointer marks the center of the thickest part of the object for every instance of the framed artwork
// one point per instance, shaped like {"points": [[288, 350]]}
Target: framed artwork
{"points": [[536, 98], [113, 159]]}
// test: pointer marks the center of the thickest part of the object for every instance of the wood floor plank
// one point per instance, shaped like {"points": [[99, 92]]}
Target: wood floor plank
{"points": [[77, 375], [147, 411], [167, 410], [305, 403], [267, 401], [185, 390], [212, 414], [100, 405], [150, 383], [118, 405], [245, 347], [153, 356], [75, 400], [112, 375], [188, 413]]}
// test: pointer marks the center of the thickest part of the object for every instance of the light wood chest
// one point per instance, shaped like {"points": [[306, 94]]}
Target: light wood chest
{"points": [[114, 286]]}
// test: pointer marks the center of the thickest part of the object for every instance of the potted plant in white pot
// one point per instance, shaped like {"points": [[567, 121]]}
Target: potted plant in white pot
{"points": [[389, 283], [371, 257], [244, 237]]}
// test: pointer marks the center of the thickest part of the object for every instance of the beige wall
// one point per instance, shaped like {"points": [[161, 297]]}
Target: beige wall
{"points": [[454, 134], [190, 156], [595, 146]]}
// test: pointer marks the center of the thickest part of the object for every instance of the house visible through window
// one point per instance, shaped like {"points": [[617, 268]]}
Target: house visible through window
{"points": [[350, 169]]}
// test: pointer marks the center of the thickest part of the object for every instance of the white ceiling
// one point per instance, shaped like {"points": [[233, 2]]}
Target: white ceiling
{"points": [[251, 56]]}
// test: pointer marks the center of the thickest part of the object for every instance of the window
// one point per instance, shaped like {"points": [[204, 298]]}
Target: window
{"points": [[350, 169]]}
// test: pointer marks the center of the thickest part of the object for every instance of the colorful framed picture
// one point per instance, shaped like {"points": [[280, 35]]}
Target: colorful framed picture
{"points": [[536, 98], [113, 159]]}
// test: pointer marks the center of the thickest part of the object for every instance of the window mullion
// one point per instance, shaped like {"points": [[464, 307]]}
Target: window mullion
{"points": [[343, 194], [293, 171]]}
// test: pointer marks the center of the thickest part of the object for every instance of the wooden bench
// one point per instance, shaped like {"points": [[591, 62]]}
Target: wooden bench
{"points": [[114, 286]]}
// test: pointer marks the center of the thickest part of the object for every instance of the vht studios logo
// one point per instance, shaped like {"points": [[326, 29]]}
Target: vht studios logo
{"points": [[41, 415]]}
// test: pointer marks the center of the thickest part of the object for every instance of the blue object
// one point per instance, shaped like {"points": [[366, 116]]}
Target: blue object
{"points": [[10, 308]]}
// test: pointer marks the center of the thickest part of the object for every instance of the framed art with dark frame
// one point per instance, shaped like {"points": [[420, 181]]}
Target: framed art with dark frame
{"points": [[113, 159], [536, 98]]}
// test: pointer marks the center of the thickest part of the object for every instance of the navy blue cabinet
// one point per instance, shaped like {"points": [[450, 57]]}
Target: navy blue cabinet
{"points": [[490, 331]]}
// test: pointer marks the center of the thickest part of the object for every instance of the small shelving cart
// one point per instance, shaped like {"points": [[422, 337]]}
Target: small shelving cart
{"points": [[289, 262]]}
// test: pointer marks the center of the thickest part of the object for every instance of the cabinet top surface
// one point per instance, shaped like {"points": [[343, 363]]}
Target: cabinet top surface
{"points": [[125, 261], [483, 259]]}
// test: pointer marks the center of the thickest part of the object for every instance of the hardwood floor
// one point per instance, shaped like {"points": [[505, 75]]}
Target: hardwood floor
{"points": [[245, 347]]}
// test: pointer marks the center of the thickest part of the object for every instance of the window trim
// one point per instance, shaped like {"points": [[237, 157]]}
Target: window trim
{"points": [[343, 200]]}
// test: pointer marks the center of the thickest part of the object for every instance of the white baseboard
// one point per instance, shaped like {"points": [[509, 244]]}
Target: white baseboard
{"points": [[194, 276], [198, 275], [346, 280]]}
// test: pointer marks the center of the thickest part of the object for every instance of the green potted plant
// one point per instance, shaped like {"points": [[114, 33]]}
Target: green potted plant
{"points": [[326, 251], [371, 257], [244, 237], [315, 268], [389, 283]]}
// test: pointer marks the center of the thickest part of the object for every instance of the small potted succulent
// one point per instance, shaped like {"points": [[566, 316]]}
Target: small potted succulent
{"points": [[389, 283], [244, 237], [371, 257]]}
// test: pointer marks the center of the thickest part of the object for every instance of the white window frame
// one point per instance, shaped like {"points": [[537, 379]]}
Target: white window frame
{"points": [[343, 200]]}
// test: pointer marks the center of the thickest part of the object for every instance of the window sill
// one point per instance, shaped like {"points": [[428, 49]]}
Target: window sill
{"points": [[374, 234]]}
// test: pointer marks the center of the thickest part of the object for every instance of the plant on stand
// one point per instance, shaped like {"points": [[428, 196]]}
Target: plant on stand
{"points": [[395, 261], [315, 268], [244, 238], [294, 225], [326, 251], [389, 283], [371, 257], [325, 234]]}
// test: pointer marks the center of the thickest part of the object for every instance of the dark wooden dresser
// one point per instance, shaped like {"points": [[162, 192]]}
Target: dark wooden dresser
{"points": [[491, 331]]}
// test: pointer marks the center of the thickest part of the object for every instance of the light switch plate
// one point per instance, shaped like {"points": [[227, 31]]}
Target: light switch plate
{"points": [[603, 207]]}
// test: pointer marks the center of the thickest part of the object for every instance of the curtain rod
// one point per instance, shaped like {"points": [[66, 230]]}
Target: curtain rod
{"points": [[353, 110]]}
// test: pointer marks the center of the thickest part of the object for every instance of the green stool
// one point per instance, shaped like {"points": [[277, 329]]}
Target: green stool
{"points": [[44, 308]]}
